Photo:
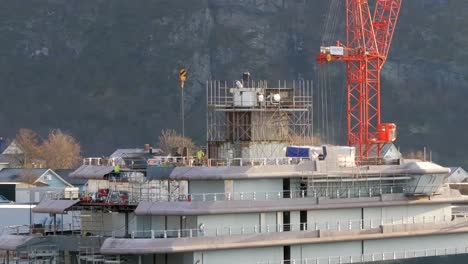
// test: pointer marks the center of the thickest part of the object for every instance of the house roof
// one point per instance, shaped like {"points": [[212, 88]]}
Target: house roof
{"points": [[16, 175], [123, 152], [65, 174], [391, 151], [132, 152], [4, 158], [13, 159], [460, 176], [26, 175], [13, 148], [91, 172], [386, 147]]}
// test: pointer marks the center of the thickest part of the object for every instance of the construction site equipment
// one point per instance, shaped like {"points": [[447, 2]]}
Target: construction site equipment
{"points": [[250, 119], [368, 41]]}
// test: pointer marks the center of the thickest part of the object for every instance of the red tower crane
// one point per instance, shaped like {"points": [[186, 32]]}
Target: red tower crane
{"points": [[368, 40]]}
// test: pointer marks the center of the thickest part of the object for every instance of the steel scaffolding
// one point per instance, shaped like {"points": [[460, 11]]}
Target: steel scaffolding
{"points": [[254, 113]]}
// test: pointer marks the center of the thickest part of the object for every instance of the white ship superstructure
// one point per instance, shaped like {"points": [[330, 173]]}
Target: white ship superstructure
{"points": [[258, 197]]}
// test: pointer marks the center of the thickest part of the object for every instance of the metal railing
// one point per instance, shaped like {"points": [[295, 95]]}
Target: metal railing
{"points": [[392, 224], [62, 195], [36, 229], [124, 161], [134, 196], [371, 257], [190, 161], [255, 162], [37, 254], [322, 228], [16, 230], [321, 192]]}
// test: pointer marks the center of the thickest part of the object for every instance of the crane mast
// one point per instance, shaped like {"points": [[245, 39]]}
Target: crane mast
{"points": [[368, 41]]}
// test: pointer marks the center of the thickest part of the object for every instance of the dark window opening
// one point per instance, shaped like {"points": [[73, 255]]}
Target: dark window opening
{"points": [[286, 221], [303, 188], [303, 220], [287, 254], [8, 191], [362, 217], [286, 188]]}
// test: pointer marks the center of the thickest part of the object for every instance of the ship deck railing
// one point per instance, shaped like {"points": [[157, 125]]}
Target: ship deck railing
{"points": [[330, 192], [133, 196], [335, 228], [374, 257], [141, 163], [191, 161], [39, 229], [325, 192]]}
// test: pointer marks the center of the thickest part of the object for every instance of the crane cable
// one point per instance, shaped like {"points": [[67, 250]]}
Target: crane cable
{"points": [[326, 104], [331, 21], [338, 7]]}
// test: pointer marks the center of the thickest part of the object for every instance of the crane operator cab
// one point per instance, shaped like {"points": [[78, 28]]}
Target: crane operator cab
{"points": [[387, 132]]}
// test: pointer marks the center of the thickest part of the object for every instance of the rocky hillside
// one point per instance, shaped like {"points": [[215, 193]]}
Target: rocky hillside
{"points": [[106, 71]]}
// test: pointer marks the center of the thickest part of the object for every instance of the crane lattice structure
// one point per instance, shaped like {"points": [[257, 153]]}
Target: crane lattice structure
{"points": [[369, 38]]}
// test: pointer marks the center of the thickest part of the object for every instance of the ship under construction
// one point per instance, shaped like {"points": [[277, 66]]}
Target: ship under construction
{"points": [[267, 191], [254, 198]]}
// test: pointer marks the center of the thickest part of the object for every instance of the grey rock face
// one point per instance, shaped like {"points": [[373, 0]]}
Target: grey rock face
{"points": [[106, 71]]}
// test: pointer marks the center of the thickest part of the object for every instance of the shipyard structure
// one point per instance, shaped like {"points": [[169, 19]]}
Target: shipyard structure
{"points": [[265, 192]]}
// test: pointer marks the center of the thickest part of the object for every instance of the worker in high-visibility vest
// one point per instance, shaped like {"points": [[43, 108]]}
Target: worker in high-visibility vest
{"points": [[200, 156], [117, 171]]}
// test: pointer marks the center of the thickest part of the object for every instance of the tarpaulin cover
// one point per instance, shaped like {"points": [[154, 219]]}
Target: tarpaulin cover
{"points": [[297, 152]]}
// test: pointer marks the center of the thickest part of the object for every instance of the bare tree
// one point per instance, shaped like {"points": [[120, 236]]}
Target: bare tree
{"points": [[29, 144], [58, 151], [169, 141], [61, 151]]}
